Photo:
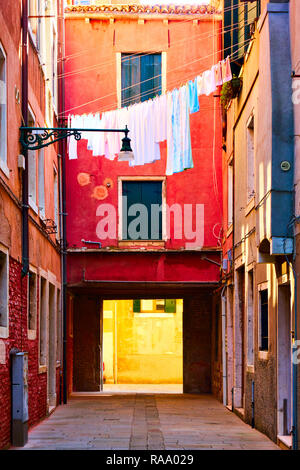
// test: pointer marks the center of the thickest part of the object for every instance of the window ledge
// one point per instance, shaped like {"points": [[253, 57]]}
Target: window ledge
{"points": [[287, 441], [33, 206], [250, 206], [31, 334], [263, 355], [33, 41], [229, 230], [42, 369], [284, 279], [250, 369], [4, 332], [142, 244], [4, 168]]}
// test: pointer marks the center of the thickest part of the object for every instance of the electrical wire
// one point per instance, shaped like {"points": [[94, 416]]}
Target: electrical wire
{"points": [[224, 10], [134, 85], [205, 35], [159, 75]]}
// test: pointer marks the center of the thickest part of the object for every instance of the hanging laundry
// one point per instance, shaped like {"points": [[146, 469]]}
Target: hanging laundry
{"points": [[179, 155], [166, 117], [135, 123], [170, 147], [208, 82], [200, 85], [142, 122], [218, 74], [160, 118], [88, 123], [226, 70], [75, 122], [193, 96], [112, 141], [185, 132], [98, 138]]}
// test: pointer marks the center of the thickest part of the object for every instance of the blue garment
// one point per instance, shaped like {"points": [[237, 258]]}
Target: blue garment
{"points": [[186, 147], [181, 136], [193, 96], [177, 161]]}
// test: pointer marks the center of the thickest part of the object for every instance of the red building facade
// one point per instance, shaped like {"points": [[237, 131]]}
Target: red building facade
{"points": [[188, 41]]}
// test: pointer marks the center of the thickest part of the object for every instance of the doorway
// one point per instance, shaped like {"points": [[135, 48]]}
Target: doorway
{"points": [[284, 361], [119, 338], [142, 345]]}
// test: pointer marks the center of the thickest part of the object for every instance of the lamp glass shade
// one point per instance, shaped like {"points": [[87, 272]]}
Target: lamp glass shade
{"points": [[125, 156]]}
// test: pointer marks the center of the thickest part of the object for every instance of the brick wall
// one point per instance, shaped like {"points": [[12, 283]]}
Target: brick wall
{"points": [[37, 383]]}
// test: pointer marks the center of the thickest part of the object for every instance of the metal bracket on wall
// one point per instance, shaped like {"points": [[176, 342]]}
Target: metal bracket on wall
{"points": [[49, 226], [35, 138]]}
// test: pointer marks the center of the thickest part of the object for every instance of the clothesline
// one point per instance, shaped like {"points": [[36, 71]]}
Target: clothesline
{"points": [[146, 129]]}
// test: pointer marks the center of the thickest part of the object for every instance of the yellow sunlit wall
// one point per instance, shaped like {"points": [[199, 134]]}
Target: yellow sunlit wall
{"points": [[142, 341]]}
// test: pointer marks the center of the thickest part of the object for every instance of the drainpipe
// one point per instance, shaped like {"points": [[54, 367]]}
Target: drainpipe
{"points": [[224, 364], [25, 234], [252, 405], [295, 344], [295, 364], [62, 151]]}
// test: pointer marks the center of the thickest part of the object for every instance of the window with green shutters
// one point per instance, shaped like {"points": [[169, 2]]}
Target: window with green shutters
{"points": [[143, 199]]}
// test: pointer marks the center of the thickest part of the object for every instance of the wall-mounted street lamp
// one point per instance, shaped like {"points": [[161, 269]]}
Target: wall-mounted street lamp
{"points": [[35, 138], [126, 153]]}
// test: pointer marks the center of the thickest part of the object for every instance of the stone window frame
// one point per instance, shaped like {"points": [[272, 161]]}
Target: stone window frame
{"points": [[31, 332], [230, 195], [3, 160], [119, 73], [32, 154], [125, 243], [4, 329], [44, 302], [49, 278], [250, 125], [250, 271], [59, 325], [263, 354], [56, 202]]}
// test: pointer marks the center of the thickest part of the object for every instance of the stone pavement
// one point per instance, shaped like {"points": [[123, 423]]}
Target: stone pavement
{"points": [[145, 421]]}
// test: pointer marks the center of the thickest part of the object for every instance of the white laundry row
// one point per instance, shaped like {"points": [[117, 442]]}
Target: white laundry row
{"points": [[165, 117]]}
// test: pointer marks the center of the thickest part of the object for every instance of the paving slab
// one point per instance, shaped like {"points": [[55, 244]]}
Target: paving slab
{"points": [[141, 421]]}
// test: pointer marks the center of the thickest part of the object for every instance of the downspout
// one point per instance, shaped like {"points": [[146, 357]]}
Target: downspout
{"points": [[59, 157], [295, 344], [233, 265], [62, 150], [295, 365], [224, 363], [25, 206]]}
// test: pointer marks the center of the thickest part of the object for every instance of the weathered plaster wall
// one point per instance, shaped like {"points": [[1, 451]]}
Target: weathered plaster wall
{"points": [[98, 88]]}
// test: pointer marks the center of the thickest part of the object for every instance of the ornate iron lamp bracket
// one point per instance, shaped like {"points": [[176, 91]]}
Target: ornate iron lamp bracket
{"points": [[34, 138]]}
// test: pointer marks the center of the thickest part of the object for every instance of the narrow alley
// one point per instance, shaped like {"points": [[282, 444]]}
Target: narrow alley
{"points": [[137, 421], [150, 225]]}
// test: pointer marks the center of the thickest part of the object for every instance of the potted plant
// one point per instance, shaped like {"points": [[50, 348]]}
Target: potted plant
{"points": [[230, 90]]}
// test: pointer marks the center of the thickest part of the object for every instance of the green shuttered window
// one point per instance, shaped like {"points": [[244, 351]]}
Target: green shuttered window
{"points": [[142, 215]]}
